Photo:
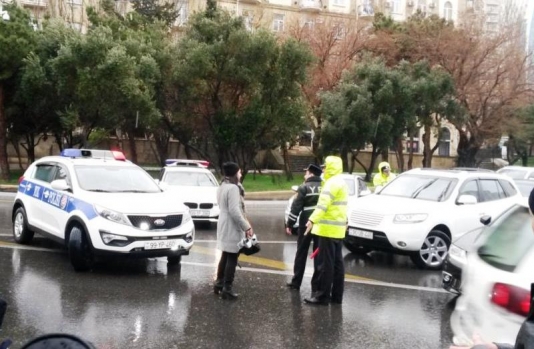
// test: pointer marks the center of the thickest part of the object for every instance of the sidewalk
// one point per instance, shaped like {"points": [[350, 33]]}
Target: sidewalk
{"points": [[259, 195]]}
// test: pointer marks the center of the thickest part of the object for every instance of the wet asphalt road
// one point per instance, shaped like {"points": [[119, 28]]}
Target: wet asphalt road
{"points": [[388, 303]]}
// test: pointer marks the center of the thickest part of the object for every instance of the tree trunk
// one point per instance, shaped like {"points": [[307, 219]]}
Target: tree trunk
{"points": [[467, 150], [374, 156], [287, 165], [4, 163], [427, 150], [400, 155], [133, 148], [410, 154], [345, 158]]}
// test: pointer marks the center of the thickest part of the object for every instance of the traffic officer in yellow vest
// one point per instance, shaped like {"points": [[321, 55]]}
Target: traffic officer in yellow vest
{"points": [[329, 222]]}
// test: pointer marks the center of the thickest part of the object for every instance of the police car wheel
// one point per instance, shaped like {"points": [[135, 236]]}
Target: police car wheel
{"points": [[21, 233], [433, 252], [79, 250], [174, 260]]}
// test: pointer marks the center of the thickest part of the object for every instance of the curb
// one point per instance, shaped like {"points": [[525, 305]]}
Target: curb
{"points": [[258, 195], [8, 188]]}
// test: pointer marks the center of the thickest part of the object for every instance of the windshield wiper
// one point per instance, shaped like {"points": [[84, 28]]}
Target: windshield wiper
{"points": [[444, 191], [132, 191], [99, 190], [418, 191]]}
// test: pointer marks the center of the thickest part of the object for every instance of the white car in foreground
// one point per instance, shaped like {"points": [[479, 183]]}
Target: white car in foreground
{"points": [[421, 211], [96, 203], [496, 282], [195, 186]]}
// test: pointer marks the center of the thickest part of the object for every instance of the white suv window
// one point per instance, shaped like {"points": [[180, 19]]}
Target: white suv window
{"points": [[115, 179], [420, 187], [45, 172], [470, 188], [194, 179], [491, 190], [509, 242]]}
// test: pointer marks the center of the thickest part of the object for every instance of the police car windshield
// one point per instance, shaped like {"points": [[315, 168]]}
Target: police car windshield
{"points": [[115, 179], [193, 179]]}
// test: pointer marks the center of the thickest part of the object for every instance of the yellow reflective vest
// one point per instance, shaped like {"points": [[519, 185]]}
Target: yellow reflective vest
{"points": [[330, 216]]}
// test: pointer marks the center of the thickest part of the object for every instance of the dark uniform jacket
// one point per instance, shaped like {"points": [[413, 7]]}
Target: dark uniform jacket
{"points": [[305, 202]]}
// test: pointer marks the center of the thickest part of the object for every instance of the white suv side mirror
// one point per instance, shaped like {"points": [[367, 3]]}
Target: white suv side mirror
{"points": [[295, 188], [365, 192], [60, 184], [466, 200]]}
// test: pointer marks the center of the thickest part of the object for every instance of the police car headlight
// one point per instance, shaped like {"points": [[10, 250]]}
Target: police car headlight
{"points": [[111, 215], [186, 218]]}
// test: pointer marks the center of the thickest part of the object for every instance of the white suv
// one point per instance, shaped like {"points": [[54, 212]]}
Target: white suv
{"points": [[423, 210], [97, 203]]}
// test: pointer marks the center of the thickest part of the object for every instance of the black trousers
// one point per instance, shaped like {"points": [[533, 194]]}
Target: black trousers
{"points": [[226, 269], [330, 269], [303, 246]]}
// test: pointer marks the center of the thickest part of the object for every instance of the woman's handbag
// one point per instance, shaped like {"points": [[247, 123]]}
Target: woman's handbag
{"points": [[249, 246]]}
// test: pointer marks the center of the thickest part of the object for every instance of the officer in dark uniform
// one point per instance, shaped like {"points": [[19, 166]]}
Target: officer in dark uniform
{"points": [[304, 204]]}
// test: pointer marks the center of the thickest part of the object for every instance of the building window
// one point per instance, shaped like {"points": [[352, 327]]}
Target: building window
{"points": [[308, 24], [447, 11], [278, 23], [366, 8], [421, 6], [183, 13], [248, 20], [339, 2], [445, 142], [395, 6], [74, 2]]}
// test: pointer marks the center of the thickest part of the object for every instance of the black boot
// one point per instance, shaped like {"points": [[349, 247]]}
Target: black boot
{"points": [[217, 286], [227, 293]]}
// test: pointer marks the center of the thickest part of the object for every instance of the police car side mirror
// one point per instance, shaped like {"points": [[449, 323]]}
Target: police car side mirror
{"points": [[60, 184], [295, 188]]}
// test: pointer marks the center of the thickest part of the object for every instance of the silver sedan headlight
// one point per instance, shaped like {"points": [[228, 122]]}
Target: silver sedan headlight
{"points": [[410, 218]]}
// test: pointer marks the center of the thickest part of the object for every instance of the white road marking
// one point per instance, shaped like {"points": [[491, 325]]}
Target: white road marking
{"points": [[260, 241], [365, 282], [258, 270]]}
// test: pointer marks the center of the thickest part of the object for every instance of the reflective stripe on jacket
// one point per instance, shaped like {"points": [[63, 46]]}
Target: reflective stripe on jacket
{"points": [[330, 217]]}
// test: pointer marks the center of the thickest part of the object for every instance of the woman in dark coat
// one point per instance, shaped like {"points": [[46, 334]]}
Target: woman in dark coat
{"points": [[231, 228]]}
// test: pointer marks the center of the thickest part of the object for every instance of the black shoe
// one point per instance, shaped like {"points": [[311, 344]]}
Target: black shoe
{"points": [[217, 287], [315, 301], [292, 286], [229, 294]]}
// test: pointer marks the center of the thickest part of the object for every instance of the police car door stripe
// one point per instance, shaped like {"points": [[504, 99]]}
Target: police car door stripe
{"points": [[56, 199]]}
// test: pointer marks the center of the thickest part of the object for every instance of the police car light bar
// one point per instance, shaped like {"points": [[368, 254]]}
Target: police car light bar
{"points": [[187, 162], [93, 153]]}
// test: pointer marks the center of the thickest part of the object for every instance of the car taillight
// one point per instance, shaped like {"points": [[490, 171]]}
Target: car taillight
{"points": [[512, 298], [21, 178]]}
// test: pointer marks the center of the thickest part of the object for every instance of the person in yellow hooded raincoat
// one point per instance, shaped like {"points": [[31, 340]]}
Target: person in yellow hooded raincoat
{"points": [[329, 223], [384, 175]]}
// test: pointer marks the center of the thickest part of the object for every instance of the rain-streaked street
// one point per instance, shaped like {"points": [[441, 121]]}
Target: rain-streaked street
{"points": [[388, 302]]}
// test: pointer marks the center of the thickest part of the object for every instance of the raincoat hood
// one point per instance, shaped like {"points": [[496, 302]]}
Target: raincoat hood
{"points": [[333, 166], [382, 164]]}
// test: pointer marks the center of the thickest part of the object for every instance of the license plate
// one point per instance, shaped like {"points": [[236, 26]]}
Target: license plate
{"points": [[361, 233], [157, 245], [199, 213]]}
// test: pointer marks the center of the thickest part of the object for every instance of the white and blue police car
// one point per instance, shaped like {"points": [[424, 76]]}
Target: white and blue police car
{"points": [[97, 203]]}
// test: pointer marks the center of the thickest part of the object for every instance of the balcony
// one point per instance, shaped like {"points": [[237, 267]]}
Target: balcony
{"points": [[311, 5], [34, 3]]}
